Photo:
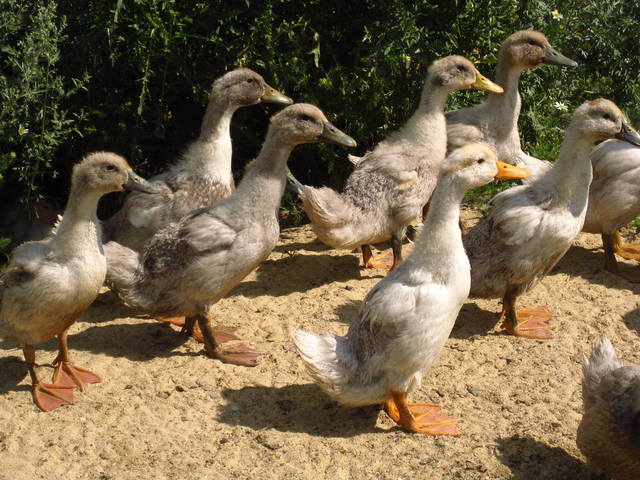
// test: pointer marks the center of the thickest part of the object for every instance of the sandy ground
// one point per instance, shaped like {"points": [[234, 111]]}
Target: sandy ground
{"points": [[166, 411]]}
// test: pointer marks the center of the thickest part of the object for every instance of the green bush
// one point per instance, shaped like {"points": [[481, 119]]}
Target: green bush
{"points": [[134, 76]]}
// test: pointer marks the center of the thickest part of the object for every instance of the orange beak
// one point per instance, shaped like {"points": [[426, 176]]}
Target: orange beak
{"points": [[510, 172]]}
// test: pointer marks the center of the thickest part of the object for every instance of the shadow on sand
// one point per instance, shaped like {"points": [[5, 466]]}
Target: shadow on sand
{"points": [[530, 459], [299, 408]]}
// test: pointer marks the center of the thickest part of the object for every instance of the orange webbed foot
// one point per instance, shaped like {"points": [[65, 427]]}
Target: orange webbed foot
{"points": [[221, 334], [532, 322], [630, 251], [48, 397], [238, 354], [177, 321], [68, 375], [384, 261], [424, 418]]}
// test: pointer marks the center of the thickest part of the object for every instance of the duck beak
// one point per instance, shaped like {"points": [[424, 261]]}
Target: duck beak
{"points": [[332, 135], [136, 182], [483, 83], [510, 172], [628, 134], [553, 57], [271, 95]]}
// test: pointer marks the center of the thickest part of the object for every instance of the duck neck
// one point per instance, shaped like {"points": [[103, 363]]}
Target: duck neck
{"points": [[427, 127], [441, 238], [210, 154], [79, 231], [265, 180], [505, 107], [571, 174]]}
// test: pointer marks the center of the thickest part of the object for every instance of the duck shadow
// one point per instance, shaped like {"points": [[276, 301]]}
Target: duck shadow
{"points": [[295, 408], [12, 371], [632, 320], [528, 458], [348, 311], [299, 273], [588, 263], [312, 246], [473, 321], [137, 342]]}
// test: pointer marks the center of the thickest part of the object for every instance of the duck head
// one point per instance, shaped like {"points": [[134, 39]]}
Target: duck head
{"points": [[243, 87], [105, 172], [305, 123], [456, 72], [528, 49], [601, 119], [476, 164]]}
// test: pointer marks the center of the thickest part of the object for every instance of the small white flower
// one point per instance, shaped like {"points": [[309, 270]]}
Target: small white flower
{"points": [[22, 130], [561, 106], [556, 15]]}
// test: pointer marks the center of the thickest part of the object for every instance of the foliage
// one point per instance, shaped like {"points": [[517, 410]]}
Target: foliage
{"points": [[33, 120], [134, 76]]}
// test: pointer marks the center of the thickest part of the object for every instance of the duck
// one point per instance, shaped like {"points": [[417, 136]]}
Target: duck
{"points": [[406, 318], [191, 264], [609, 432], [49, 284], [390, 185], [532, 226], [495, 121], [614, 201], [202, 175]]}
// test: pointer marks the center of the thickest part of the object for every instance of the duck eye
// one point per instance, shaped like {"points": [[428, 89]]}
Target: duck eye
{"points": [[249, 80], [534, 43], [109, 168], [462, 68], [481, 160], [304, 118], [606, 116]]}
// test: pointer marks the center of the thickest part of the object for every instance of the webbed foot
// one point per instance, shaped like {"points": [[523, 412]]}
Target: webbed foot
{"points": [[68, 375], [48, 397], [531, 322]]}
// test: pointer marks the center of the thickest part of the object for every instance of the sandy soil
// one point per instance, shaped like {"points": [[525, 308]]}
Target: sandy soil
{"points": [[166, 411]]}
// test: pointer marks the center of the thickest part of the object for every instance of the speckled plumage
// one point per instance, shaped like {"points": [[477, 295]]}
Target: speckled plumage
{"points": [[390, 184], [201, 177], [609, 433], [495, 121], [532, 226], [189, 265], [406, 318]]}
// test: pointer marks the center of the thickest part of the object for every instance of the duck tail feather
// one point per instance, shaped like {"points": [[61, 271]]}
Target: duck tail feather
{"points": [[603, 360]]}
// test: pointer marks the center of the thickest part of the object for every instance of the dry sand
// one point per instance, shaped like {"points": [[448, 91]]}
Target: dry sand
{"points": [[166, 411]]}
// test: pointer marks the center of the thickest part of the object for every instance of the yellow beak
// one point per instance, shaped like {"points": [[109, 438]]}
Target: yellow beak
{"points": [[483, 83], [510, 172]]}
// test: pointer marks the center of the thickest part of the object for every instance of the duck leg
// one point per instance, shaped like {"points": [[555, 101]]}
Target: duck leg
{"points": [[46, 396], [528, 322], [420, 417], [69, 375], [611, 244], [238, 354]]}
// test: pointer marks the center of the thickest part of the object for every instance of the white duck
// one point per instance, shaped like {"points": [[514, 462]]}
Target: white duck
{"points": [[614, 201], [202, 176], [391, 183], [532, 226], [49, 284], [495, 121], [609, 433], [191, 264], [406, 318]]}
